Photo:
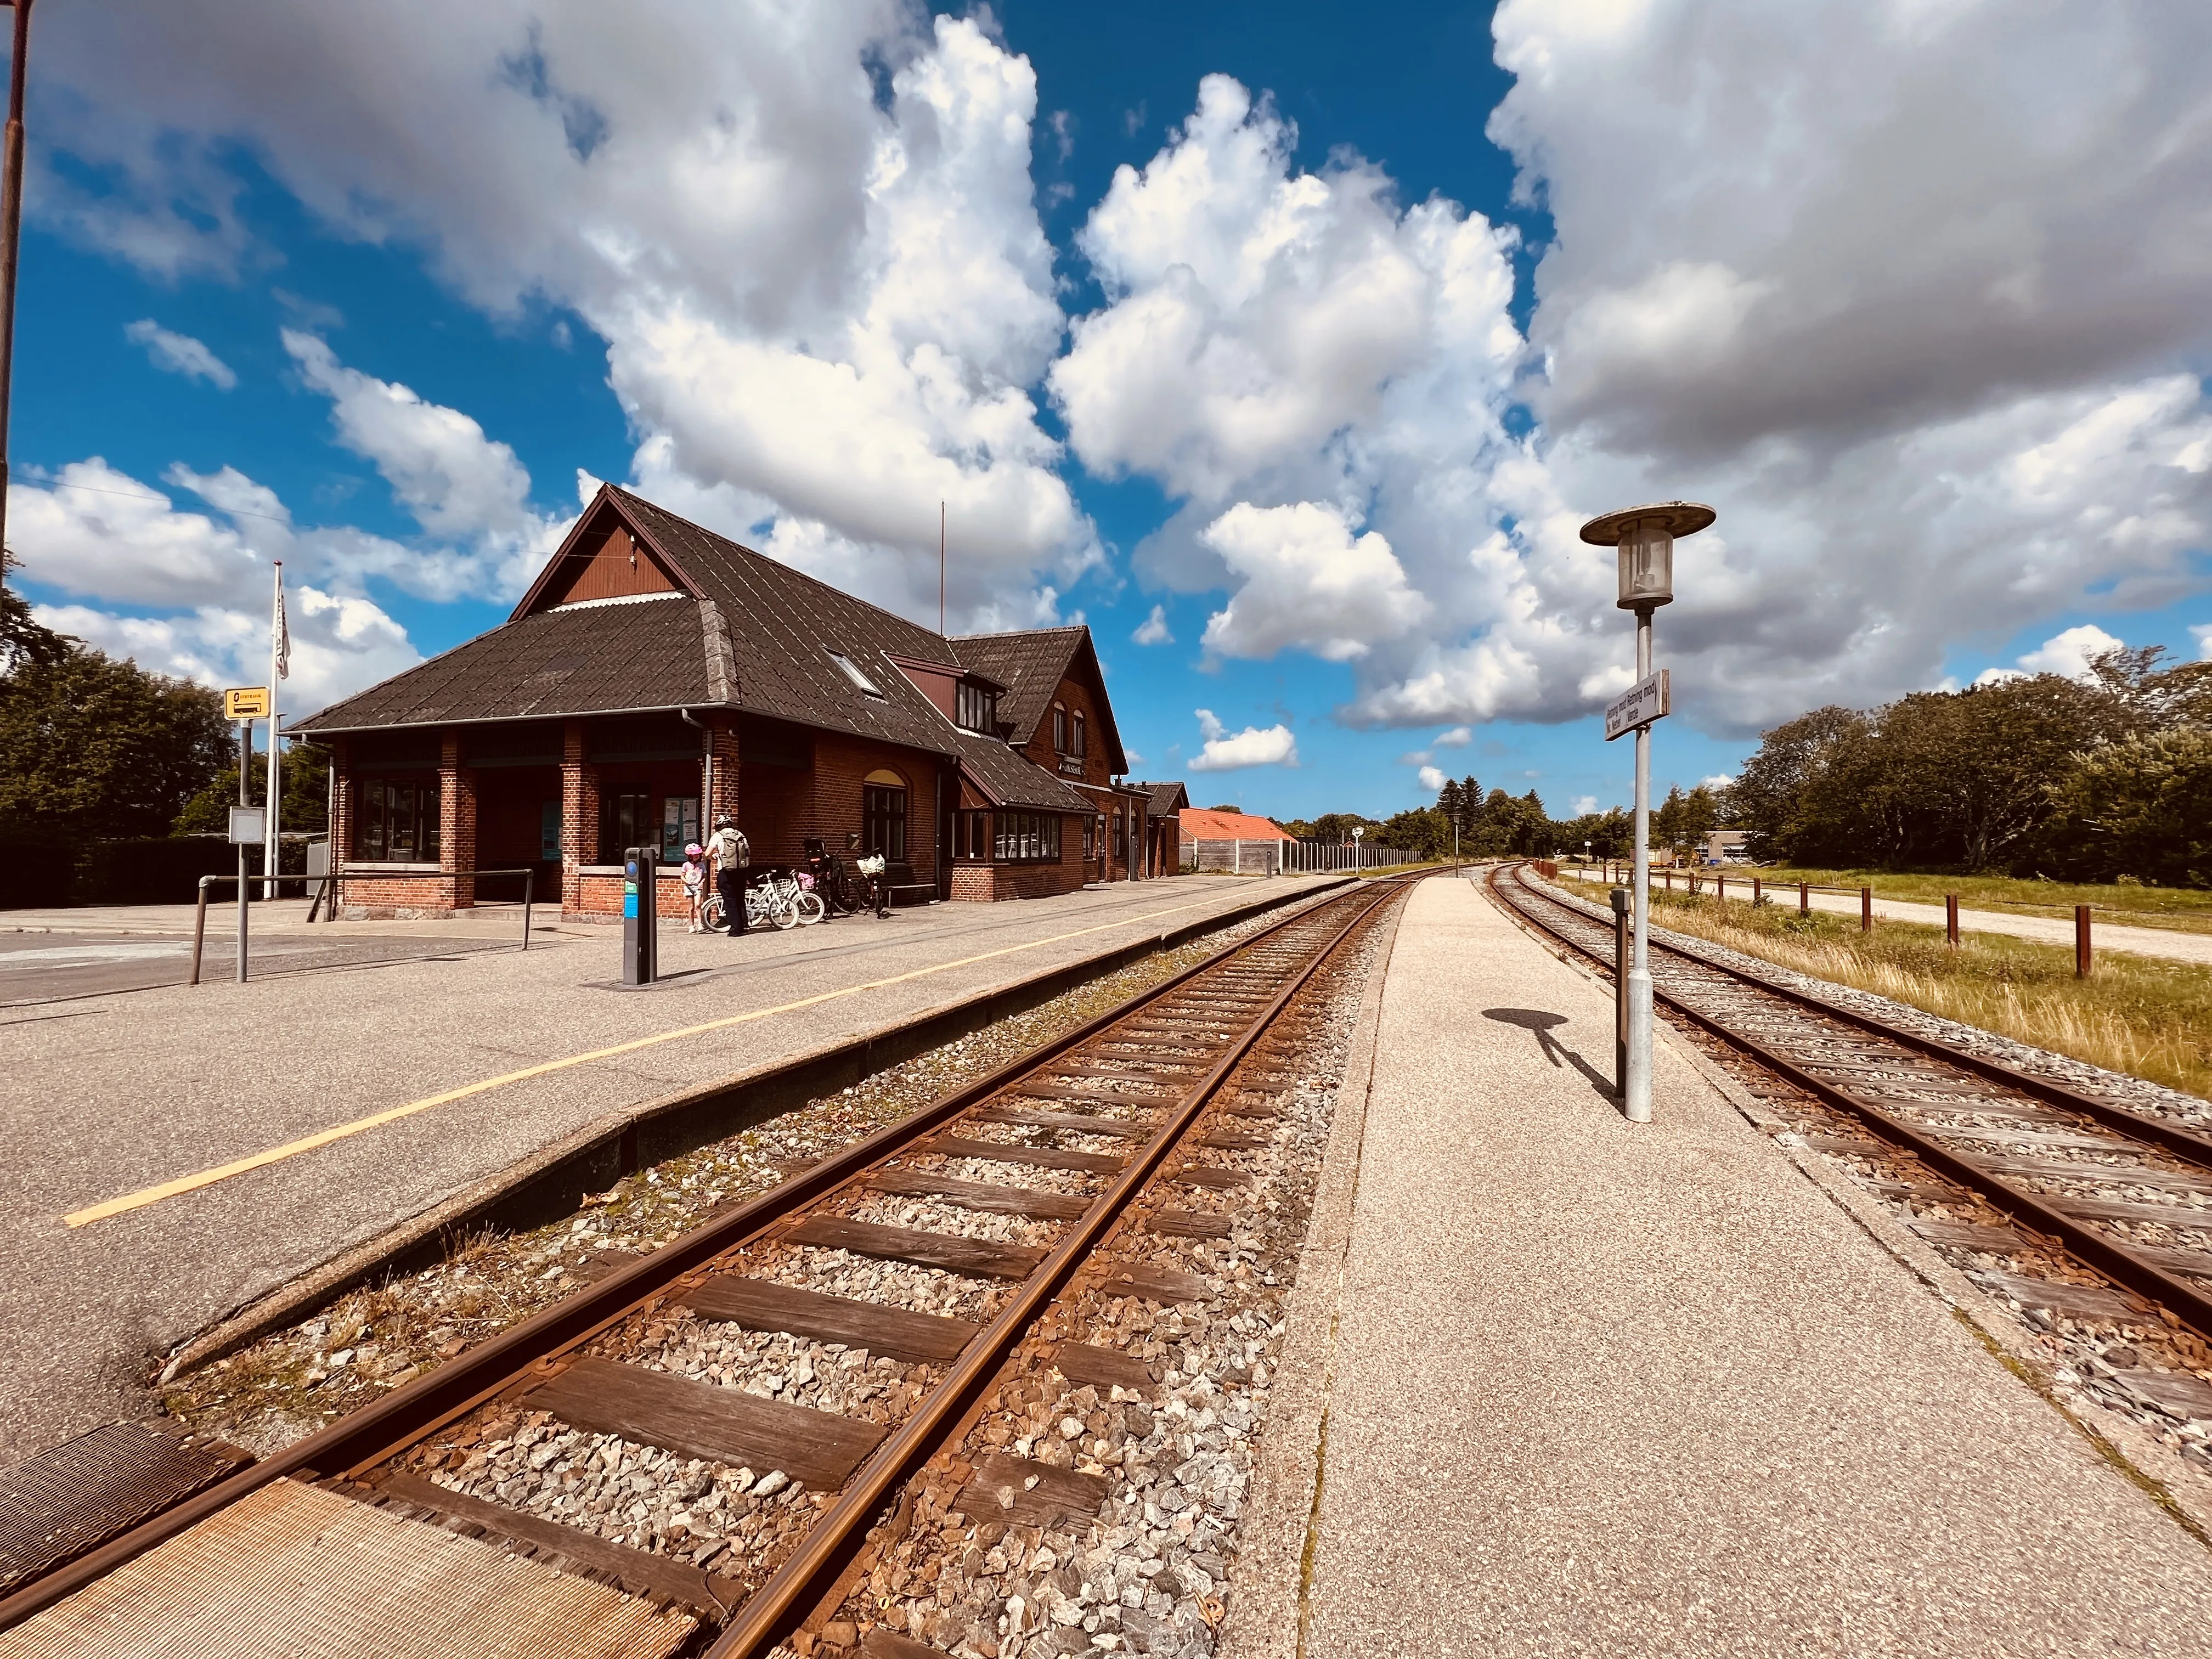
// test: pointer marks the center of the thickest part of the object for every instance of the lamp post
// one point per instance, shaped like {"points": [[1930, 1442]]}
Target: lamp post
{"points": [[1644, 539]]}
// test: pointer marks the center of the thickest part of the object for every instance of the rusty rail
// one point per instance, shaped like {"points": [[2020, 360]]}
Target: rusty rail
{"points": [[2185, 1300], [376, 1432]]}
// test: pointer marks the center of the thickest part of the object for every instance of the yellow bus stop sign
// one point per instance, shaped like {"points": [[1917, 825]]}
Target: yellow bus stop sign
{"points": [[245, 703]]}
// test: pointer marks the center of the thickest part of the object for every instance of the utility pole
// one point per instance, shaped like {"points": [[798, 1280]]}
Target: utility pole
{"points": [[11, 229], [941, 569]]}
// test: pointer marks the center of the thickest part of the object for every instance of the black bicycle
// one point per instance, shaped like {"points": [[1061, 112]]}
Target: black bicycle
{"points": [[845, 889]]}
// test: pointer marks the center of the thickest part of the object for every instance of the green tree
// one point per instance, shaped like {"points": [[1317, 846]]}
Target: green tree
{"points": [[91, 747], [303, 775], [1423, 831], [2139, 807]]}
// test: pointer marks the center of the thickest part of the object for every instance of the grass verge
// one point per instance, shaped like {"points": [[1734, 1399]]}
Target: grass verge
{"points": [[2147, 1018]]}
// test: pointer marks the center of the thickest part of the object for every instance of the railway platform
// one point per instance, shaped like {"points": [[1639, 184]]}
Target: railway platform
{"points": [[1556, 1383], [169, 1154]]}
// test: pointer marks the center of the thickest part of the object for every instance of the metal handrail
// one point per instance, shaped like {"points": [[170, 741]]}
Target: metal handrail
{"points": [[199, 919]]}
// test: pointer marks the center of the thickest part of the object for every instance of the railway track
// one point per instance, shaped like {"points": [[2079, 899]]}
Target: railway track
{"points": [[2066, 1180], [795, 1371]]}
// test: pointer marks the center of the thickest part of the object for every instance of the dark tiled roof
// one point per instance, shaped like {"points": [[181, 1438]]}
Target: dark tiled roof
{"points": [[592, 659], [756, 637], [1013, 780], [1030, 665], [1166, 798]]}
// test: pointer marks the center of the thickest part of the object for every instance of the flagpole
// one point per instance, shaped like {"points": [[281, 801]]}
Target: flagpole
{"points": [[275, 669]]}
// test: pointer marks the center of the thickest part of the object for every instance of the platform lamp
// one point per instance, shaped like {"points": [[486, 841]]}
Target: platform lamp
{"points": [[1644, 537]]}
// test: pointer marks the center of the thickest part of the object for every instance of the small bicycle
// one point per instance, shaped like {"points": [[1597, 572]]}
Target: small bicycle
{"points": [[774, 898]]}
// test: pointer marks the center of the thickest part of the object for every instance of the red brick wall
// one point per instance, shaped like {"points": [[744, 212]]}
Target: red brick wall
{"points": [[1075, 697], [726, 774], [457, 821], [785, 806], [600, 897], [579, 815]]}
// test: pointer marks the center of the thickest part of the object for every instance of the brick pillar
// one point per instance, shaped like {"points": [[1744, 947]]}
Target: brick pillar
{"points": [[457, 822], [725, 792], [579, 814]]}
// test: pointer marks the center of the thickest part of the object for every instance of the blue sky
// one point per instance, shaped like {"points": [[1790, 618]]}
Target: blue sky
{"points": [[1315, 375]]}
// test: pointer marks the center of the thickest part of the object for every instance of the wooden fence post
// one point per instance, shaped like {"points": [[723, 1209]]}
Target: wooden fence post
{"points": [[1804, 898], [2082, 963], [1866, 910], [1951, 917]]}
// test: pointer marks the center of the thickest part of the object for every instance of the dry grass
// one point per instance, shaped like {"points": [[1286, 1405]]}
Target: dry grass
{"points": [[2185, 909], [2147, 1018]]}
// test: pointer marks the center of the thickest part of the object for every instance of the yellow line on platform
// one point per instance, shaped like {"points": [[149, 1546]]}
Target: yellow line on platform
{"points": [[183, 1184]]}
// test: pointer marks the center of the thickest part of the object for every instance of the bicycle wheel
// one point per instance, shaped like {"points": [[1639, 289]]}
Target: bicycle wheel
{"points": [[711, 914], [782, 915], [810, 909]]}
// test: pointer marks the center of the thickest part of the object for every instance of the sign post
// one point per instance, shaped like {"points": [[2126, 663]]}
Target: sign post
{"points": [[245, 704]]}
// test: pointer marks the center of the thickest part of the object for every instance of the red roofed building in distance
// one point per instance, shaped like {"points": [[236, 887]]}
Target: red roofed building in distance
{"points": [[1209, 825]]}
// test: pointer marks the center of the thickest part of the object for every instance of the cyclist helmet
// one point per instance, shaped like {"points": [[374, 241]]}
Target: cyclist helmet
{"points": [[694, 850], [722, 821]]}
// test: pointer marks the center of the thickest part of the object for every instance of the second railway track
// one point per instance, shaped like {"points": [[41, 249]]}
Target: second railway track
{"points": [[2119, 1191], [793, 1366]]}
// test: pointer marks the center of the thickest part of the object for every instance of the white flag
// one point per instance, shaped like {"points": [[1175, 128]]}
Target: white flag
{"points": [[283, 636]]}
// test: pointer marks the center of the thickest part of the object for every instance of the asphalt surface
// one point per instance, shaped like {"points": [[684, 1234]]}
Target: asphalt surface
{"points": [[108, 1095], [1602, 1388]]}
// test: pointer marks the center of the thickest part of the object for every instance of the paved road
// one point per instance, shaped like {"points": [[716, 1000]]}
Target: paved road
{"points": [[107, 1096], [2048, 930], [1604, 1389]]}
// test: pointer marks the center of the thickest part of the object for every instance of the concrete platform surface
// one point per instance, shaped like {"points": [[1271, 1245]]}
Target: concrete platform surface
{"points": [[1607, 1389], [2171, 943], [107, 1098]]}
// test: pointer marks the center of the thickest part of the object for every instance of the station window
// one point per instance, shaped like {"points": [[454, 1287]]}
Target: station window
{"points": [[627, 821], [396, 820], [1075, 746], [971, 834], [1028, 838], [1059, 729], [976, 707], [883, 818]]}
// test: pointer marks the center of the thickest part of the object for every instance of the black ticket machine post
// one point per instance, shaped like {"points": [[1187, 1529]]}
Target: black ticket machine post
{"points": [[641, 915]]}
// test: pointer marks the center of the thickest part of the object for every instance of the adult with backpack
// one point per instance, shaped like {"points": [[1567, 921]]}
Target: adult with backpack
{"points": [[732, 854]]}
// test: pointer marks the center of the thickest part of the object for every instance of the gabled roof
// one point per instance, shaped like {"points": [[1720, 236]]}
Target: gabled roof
{"points": [[1201, 824], [601, 659], [1030, 665], [1167, 798], [742, 632]]}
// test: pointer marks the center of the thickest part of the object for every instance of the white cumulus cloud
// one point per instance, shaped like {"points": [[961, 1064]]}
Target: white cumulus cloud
{"points": [[1229, 751], [180, 353], [1304, 579], [1432, 780], [1153, 630], [808, 239]]}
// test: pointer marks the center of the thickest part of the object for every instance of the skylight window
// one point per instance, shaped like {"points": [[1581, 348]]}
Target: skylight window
{"points": [[853, 674]]}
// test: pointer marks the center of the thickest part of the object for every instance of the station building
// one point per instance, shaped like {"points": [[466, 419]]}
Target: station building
{"points": [[657, 674]]}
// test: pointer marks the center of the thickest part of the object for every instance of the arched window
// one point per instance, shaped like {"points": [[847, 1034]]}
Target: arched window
{"points": [[1075, 748], [1059, 729], [882, 814]]}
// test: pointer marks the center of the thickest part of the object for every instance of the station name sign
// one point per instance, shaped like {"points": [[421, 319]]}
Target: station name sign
{"points": [[245, 703], [1641, 704]]}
